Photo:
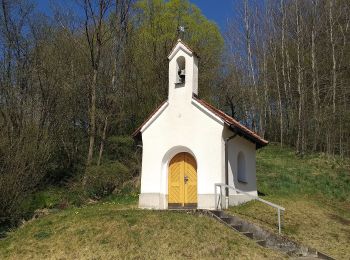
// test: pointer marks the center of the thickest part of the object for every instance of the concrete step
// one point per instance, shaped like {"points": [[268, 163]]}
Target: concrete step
{"points": [[324, 256], [218, 213], [228, 220], [261, 242], [248, 234], [268, 239], [304, 258], [238, 227]]}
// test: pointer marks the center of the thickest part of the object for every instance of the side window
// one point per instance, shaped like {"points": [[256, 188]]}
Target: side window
{"points": [[180, 70], [241, 168]]}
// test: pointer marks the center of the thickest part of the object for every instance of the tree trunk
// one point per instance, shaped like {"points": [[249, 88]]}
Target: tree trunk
{"points": [[283, 60], [102, 141], [279, 95], [334, 61], [300, 138], [250, 63], [315, 91], [265, 91], [334, 75], [92, 129]]}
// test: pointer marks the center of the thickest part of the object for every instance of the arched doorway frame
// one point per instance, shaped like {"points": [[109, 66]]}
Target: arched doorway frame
{"points": [[165, 168]]}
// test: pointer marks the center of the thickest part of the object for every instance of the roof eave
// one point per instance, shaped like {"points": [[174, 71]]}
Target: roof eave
{"points": [[259, 143], [159, 109]]}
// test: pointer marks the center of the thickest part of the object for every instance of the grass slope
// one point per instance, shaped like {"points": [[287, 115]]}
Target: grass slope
{"points": [[314, 190], [110, 231]]}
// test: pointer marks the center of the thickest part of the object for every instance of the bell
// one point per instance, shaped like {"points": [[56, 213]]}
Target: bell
{"points": [[182, 75]]}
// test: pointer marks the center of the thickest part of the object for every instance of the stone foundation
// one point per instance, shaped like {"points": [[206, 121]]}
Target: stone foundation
{"points": [[238, 199], [151, 201], [160, 201]]}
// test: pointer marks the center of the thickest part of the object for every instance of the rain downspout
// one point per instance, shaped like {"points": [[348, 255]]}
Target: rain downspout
{"points": [[226, 166]]}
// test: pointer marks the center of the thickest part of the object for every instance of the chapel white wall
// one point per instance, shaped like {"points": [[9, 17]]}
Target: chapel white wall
{"points": [[182, 127], [235, 146], [185, 126], [179, 128]]}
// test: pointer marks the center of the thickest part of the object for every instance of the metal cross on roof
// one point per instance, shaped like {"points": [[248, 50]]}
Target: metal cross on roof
{"points": [[181, 31]]}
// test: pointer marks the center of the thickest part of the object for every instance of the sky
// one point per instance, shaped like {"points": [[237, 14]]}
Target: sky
{"points": [[215, 10]]}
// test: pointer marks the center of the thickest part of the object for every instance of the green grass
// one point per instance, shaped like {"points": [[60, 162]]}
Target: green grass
{"points": [[280, 172], [110, 230], [315, 190], [65, 197]]}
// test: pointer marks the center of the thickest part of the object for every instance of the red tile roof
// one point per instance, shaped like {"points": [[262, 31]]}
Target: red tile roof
{"points": [[230, 121], [234, 124]]}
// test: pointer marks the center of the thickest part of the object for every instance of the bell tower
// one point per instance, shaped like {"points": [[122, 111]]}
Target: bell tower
{"points": [[183, 73]]}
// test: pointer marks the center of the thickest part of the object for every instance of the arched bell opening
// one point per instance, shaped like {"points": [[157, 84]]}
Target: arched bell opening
{"points": [[180, 70]]}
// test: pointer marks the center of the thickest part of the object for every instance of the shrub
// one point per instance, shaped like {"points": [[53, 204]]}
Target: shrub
{"points": [[100, 181], [76, 195], [131, 187], [120, 148], [23, 164], [123, 149], [48, 198]]}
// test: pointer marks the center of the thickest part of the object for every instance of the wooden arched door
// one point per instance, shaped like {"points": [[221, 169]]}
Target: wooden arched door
{"points": [[182, 181]]}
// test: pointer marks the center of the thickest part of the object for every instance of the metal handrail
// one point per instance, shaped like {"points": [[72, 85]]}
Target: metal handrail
{"points": [[220, 200]]}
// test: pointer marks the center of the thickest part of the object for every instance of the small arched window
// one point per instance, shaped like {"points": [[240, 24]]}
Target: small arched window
{"points": [[241, 168], [180, 70]]}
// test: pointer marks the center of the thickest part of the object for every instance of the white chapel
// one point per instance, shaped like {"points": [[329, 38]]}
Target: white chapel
{"points": [[189, 145]]}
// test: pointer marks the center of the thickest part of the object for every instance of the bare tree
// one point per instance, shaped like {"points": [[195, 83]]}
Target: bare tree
{"points": [[95, 34], [119, 38], [315, 87], [300, 138]]}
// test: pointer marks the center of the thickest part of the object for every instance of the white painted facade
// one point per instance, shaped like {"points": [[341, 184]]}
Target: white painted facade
{"points": [[183, 124]]}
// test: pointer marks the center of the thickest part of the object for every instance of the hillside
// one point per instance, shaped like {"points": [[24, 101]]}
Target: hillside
{"points": [[111, 231], [314, 190]]}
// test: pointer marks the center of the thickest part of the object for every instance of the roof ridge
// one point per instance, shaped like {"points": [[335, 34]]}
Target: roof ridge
{"points": [[186, 45]]}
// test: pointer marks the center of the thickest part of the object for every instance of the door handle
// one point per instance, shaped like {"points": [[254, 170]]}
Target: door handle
{"points": [[185, 179]]}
